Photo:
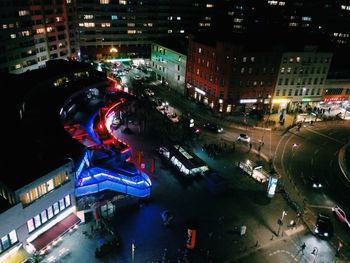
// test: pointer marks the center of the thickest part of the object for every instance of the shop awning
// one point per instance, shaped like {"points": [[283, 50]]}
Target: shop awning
{"points": [[54, 232]]}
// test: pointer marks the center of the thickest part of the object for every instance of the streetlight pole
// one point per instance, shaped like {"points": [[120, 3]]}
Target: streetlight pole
{"points": [[315, 253], [280, 221], [132, 252]]}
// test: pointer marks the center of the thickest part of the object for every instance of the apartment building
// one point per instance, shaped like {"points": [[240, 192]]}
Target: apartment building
{"points": [[168, 60], [226, 75], [32, 32], [301, 79], [127, 28]]}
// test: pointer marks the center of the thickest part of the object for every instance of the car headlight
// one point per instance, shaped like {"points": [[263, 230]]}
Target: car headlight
{"points": [[320, 185], [326, 234], [316, 231], [314, 185]]}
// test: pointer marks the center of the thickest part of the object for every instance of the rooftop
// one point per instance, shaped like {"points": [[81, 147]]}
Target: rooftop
{"points": [[33, 136], [177, 44]]}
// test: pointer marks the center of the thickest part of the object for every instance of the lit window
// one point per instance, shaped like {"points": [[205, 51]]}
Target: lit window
{"points": [[210, 5], [178, 18], [18, 66], [170, 31], [306, 18], [49, 29], [122, 2], [23, 12], [131, 24], [25, 33], [69, 1], [345, 7], [244, 59], [282, 70], [88, 16], [13, 36], [89, 24], [272, 2], [293, 24], [106, 24], [104, 2], [298, 59], [182, 31], [4, 26], [131, 31], [40, 30], [114, 17], [59, 19], [49, 185]]}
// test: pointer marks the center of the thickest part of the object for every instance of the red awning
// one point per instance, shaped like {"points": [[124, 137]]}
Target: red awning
{"points": [[57, 230]]}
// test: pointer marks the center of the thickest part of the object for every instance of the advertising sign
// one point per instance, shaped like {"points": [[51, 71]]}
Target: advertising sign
{"points": [[271, 187]]}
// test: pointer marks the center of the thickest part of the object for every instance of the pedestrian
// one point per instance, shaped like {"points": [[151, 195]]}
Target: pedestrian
{"points": [[250, 146], [259, 148], [302, 248]]}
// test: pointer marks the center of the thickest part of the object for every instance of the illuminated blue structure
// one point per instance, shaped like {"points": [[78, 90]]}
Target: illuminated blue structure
{"points": [[98, 171]]}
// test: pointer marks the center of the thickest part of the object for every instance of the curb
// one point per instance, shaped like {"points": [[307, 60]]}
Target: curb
{"points": [[342, 162]]}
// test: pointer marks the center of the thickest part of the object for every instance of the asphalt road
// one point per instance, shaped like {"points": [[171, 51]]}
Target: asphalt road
{"points": [[313, 152]]}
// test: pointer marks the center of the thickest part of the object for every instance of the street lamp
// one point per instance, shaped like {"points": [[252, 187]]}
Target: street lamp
{"points": [[280, 221], [315, 253], [132, 252]]}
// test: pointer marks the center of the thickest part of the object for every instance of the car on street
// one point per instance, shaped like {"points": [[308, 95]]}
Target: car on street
{"points": [[324, 226], [137, 77], [213, 127], [315, 183], [340, 214], [148, 92], [243, 138]]}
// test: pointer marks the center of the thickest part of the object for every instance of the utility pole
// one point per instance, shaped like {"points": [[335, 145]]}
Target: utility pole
{"points": [[280, 222]]}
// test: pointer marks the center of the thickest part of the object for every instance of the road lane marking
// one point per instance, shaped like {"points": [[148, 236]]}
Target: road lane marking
{"points": [[326, 136]]}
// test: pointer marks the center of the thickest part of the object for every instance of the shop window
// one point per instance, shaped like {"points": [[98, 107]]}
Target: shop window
{"points": [[49, 212], [67, 200], [37, 221], [56, 209], [30, 225], [13, 237], [61, 203], [43, 216], [5, 242]]}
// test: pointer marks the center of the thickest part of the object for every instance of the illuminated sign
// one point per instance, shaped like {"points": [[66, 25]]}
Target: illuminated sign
{"points": [[332, 99], [243, 101], [199, 91], [280, 100], [305, 99]]}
